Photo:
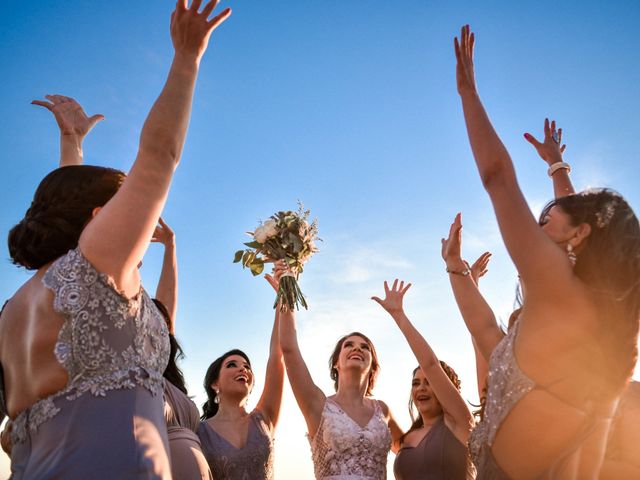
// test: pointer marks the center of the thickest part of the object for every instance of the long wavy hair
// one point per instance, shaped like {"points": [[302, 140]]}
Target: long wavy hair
{"points": [[416, 419], [609, 265], [173, 373]]}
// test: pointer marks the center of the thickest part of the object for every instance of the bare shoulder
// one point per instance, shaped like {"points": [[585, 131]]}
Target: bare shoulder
{"points": [[384, 407]]}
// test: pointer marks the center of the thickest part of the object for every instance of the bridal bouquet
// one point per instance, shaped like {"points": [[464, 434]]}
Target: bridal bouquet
{"points": [[286, 236]]}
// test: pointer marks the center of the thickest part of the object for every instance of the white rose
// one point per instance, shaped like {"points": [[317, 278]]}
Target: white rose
{"points": [[260, 235], [271, 227]]}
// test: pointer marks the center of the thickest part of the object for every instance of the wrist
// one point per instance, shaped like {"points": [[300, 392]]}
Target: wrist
{"points": [[455, 263], [458, 267], [186, 62], [557, 166]]}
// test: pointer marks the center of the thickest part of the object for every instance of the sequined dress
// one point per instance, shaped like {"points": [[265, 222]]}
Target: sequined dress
{"points": [[108, 421], [506, 385], [343, 450]]}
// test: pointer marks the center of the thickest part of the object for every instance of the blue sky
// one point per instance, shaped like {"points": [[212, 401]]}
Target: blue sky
{"points": [[350, 107]]}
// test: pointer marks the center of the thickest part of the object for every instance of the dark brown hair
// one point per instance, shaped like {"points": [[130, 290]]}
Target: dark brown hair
{"points": [[609, 265], [375, 366], [61, 207], [210, 407], [172, 372]]}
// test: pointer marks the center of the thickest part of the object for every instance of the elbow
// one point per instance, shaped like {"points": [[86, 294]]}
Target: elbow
{"points": [[493, 177]]}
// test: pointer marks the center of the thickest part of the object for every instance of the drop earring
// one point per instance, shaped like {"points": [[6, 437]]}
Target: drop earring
{"points": [[216, 399], [571, 255]]}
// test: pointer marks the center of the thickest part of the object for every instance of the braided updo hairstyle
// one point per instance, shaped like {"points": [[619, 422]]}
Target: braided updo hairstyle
{"points": [[61, 207]]}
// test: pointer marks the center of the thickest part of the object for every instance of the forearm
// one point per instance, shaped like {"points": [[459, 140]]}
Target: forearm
{"points": [[288, 337], [70, 150], [167, 289], [491, 156], [562, 185], [423, 352], [165, 128], [475, 310]]}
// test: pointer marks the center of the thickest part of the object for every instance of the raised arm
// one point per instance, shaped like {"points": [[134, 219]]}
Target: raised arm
{"points": [[478, 270], [531, 250], [551, 150], [167, 289], [271, 398], [73, 123], [475, 311], [116, 239], [453, 405], [309, 397]]}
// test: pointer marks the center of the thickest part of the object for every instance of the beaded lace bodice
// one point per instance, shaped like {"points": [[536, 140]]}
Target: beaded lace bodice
{"points": [[343, 449], [107, 341], [506, 385]]}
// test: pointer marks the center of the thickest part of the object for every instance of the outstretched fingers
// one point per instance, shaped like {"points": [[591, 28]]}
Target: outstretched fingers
{"points": [[220, 18]]}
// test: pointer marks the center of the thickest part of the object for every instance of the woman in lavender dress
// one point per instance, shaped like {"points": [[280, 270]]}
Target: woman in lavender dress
{"points": [[239, 444], [82, 346], [435, 447], [180, 413]]}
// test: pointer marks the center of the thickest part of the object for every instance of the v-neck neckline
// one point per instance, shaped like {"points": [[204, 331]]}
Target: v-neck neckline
{"points": [[228, 442], [351, 418], [425, 436]]}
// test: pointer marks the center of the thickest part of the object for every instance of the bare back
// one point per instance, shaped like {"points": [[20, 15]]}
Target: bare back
{"points": [[29, 330]]}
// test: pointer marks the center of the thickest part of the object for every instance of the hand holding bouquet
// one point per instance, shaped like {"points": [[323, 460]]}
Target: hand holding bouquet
{"points": [[286, 236]]}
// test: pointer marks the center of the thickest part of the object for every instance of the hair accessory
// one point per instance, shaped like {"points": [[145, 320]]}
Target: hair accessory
{"points": [[464, 273], [558, 166], [571, 254]]}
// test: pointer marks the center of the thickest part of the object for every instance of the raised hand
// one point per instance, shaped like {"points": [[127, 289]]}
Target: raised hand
{"points": [[451, 246], [479, 267], [465, 75], [163, 234], [279, 268], [191, 30], [551, 148], [394, 296], [69, 115]]}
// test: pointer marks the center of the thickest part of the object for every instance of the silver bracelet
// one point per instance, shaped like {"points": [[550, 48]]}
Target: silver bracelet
{"points": [[464, 272]]}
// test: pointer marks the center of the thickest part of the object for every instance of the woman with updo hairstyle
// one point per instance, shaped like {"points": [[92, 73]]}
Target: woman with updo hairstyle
{"points": [[435, 446], [237, 443], [82, 345], [556, 376]]}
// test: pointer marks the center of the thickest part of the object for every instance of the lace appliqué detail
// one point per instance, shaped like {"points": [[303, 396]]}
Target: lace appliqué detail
{"points": [[342, 447], [107, 342], [506, 385]]}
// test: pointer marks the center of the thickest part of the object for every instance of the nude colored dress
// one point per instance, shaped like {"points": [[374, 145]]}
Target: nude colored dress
{"points": [[506, 385], [108, 422], [343, 450], [182, 418]]}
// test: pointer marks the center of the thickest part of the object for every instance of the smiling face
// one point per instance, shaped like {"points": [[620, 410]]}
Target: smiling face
{"points": [[236, 377], [423, 396], [355, 351]]}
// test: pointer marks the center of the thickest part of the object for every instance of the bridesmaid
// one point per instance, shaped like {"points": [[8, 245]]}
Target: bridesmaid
{"points": [[180, 413], [435, 447], [82, 347], [238, 444]]}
